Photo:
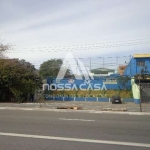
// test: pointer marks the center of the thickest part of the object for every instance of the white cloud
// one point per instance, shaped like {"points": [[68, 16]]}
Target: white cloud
{"points": [[79, 22]]}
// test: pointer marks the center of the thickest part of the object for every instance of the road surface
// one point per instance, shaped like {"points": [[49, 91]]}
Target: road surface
{"points": [[41, 130]]}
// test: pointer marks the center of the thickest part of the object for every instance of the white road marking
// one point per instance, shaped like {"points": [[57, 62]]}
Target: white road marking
{"points": [[75, 139], [75, 119]]}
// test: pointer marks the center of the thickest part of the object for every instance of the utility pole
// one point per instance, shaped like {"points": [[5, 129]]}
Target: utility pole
{"points": [[140, 98], [140, 88], [117, 63], [77, 66], [90, 63], [103, 62], [130, 66]]}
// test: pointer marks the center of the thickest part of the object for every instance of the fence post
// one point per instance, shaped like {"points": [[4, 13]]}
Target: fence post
{"points": [[121, 99], [140, 98]]}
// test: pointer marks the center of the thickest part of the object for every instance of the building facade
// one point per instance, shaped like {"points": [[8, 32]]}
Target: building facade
{"points": [[139, 64], [121, 69]]}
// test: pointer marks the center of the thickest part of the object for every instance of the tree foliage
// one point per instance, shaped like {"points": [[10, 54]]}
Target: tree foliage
{"points": [[123, 82], [19, 77], [3, 49], [51, 68]]}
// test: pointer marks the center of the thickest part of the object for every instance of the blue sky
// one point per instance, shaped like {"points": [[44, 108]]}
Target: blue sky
{"points": [[42, 30]]}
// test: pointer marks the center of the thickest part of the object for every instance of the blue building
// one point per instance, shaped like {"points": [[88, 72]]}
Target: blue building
{"points": [[139, 71], [139, 64]]}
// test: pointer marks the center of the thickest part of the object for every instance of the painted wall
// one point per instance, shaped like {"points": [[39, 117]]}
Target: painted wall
{"points": [[133, 68], [105, 83], [89, 99]]}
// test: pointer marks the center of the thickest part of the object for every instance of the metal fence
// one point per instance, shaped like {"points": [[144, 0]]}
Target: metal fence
{"points": [[145, 92], [106, 62]]}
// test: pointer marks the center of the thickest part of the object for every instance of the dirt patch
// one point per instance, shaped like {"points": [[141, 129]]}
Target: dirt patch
{"points": [[70, 107], [116, 109]]}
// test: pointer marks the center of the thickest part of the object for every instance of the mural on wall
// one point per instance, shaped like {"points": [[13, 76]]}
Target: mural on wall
{"points": [[99, 87], [103, 83]]}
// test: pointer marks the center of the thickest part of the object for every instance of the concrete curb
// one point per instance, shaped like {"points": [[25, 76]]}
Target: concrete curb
{"points": [[68, 110]]}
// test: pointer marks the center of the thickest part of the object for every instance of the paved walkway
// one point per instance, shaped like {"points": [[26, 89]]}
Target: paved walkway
{"points": [[98, 106]]}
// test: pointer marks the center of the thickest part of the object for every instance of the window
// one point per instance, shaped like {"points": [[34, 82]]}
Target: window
{"points": [[110, 81], [141, 63], [122, 68]]}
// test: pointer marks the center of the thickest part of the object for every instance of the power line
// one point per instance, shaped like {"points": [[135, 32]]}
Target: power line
{"points": [[145, 39], [80, 48]]}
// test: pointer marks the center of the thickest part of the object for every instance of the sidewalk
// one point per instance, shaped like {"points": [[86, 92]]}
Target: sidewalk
{"points": [[94, 106]]}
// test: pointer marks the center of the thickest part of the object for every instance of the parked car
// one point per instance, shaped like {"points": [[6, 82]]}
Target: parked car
{"points": [[116, 99]]}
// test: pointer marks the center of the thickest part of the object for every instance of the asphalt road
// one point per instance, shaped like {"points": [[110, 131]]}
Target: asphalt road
{"points": [[21, 130]]}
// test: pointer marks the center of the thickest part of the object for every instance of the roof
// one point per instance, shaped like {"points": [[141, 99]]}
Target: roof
{"points": [[141, 55], [123, 66], [102, 70]]}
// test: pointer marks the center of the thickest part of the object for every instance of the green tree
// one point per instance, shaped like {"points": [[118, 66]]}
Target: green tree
{"points": [[19, 77], [123, 82], [51, 68]]}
